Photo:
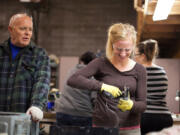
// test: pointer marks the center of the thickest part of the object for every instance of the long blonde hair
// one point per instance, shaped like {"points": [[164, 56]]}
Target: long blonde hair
{"points": [[119, 31]]}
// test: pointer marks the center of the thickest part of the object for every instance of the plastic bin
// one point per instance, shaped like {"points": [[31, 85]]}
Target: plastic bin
{"points": [[14, 123]]}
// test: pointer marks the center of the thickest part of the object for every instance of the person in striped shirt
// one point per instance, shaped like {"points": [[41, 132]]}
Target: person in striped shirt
{"points": [[156, 116]]}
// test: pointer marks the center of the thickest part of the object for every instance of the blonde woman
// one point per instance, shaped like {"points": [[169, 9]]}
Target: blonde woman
{"points": [[114, 74]]}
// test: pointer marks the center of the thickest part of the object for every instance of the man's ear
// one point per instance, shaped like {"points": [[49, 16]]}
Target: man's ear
{"points": [[9, 29]]}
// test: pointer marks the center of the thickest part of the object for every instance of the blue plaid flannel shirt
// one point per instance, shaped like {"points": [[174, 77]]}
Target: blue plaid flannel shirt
{"points": [[25, 80]]}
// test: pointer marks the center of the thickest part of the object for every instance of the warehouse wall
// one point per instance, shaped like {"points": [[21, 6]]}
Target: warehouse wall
{"points": [[70, 27], [7, 8]]}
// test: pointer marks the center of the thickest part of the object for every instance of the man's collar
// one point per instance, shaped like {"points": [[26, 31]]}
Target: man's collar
{"points": [[7, 42]]}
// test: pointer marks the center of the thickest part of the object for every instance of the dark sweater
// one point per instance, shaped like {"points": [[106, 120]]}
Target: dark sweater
{"points": [[76, 102], [105, 72]]}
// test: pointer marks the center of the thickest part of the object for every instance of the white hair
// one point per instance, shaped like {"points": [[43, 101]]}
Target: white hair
{"points": [[16, 16]]}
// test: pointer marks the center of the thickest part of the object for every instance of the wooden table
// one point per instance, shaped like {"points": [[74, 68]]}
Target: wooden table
{"points": [[48, 120], [176, 119]]}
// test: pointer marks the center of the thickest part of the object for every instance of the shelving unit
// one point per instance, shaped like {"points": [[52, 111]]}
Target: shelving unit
{"points": [[54, 83]]}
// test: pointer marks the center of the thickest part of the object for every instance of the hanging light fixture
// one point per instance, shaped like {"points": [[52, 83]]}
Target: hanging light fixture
{"points": [[177, 98], [162, 9], [25, 0], [35, 1]]}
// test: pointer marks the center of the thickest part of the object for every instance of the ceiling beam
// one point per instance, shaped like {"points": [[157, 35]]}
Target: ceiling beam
{"points": [[172, 19], [140, 24], [161, 28], [159, 35], [138, 4]]}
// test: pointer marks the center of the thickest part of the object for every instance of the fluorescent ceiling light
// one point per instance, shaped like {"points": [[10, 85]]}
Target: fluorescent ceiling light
{"points": [[163, 9], [35, 1], [25, 0]]}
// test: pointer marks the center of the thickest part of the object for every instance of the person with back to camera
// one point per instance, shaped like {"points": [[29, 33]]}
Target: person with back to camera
{"points": [[75, 106], [156, 116], [24, 70], [115, 75]]}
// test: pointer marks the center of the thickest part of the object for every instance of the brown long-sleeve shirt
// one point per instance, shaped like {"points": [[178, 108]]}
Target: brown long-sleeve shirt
{"points": [[106, 113]]}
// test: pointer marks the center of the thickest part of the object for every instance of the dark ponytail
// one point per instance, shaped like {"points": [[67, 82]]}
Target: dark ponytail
{"points": [[149, 48]]}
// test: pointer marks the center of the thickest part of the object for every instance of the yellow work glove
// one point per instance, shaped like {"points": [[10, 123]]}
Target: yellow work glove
{"points": [[114, 91], [125, 105]]}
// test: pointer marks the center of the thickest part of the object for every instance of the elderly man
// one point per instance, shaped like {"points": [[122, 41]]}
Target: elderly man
{"points": [[24, 70]]}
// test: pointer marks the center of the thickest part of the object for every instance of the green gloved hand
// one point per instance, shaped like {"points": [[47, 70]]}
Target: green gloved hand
{"points": [[125, 105], [114, 91]]}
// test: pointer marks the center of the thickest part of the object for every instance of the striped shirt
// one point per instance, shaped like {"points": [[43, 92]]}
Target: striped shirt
{"points": [[157, 86]]}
